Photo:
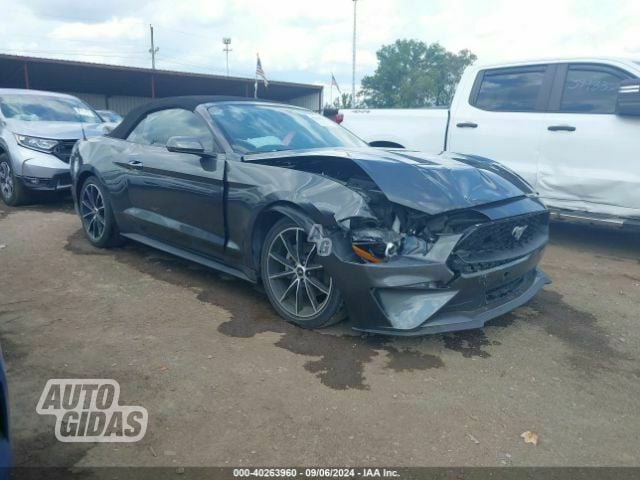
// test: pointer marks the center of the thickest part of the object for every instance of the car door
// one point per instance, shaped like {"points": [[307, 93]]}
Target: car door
{"points": [[176, 198], [588, 154], [501, 119]]}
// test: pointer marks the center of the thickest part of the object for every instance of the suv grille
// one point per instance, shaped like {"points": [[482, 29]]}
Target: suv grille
{"points": [[492, 244], [63, 149]]}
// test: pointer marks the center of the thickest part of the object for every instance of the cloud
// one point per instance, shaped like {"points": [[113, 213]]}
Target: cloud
{"points": [[115, 29], [304, 41]]}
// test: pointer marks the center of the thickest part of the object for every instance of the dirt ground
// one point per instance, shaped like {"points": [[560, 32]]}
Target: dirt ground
{"points": [[227, 383]]}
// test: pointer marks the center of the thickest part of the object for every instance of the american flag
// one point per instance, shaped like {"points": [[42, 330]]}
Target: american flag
{"points": [[260, 72], [335, 84]]}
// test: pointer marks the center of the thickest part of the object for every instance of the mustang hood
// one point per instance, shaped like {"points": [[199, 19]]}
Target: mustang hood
{"points": [[57, 130], [428, 183]]}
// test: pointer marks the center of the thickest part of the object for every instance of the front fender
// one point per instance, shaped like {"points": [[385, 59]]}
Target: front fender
{"points": [[307, 198]]}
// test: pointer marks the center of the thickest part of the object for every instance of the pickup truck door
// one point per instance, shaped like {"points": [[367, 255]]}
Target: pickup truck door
{"points": [[589, 156], [502, 119]]}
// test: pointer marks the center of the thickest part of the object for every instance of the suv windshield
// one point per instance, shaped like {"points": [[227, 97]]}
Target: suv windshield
{"points": [[38, 108], [109, 116], [255, 128]]}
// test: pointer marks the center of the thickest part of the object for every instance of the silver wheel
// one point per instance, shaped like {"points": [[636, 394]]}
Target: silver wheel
{"points": [[6, 180], [300, 287], [92, 211]]}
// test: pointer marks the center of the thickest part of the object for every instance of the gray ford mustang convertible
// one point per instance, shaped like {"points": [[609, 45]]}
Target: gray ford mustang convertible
{"points": [[402, 242]]}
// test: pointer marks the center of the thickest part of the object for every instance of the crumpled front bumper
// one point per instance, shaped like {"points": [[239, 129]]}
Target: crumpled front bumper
{"points": [[409, 296]]}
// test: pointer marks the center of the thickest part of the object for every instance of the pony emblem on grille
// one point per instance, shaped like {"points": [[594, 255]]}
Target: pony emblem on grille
{"points": [[518, 231]]}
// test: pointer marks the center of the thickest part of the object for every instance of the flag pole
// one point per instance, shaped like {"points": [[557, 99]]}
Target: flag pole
{"points": [[331, 94], [255, 83]]}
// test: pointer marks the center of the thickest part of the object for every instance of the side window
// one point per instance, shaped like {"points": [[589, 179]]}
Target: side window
{"points": [[156, 128], [510, 90], [589, 90], [137, 135]]}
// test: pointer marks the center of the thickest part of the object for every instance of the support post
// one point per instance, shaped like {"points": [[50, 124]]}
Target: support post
{"points": [[26, 76]]}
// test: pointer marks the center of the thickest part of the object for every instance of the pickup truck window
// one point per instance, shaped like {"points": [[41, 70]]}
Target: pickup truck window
{"points": [[510, 90], [589, 91]]}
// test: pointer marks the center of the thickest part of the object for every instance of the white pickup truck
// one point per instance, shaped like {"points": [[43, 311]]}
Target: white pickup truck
{"points": [[571, 128]]}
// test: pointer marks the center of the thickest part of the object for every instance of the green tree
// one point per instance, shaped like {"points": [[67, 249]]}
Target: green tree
{"points": [[345, 100], [412, 74]]}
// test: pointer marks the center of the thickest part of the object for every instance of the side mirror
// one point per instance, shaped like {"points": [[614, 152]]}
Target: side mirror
{"points": [[185, 145], [629, 98]]}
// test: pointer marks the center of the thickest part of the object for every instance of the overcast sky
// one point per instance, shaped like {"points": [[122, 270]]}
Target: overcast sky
{"points": [[304, 40]]}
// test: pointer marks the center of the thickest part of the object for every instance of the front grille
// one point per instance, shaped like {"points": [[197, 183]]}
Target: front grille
{"points": [[490, 245], [63, 149]]}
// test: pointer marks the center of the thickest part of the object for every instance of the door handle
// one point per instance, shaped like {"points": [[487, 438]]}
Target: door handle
{"points": [[561, 128], [136, 164], [467, 125]]}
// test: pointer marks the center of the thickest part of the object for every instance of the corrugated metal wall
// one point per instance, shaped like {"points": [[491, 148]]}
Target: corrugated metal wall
{"points": [[118, 103], [97, 101], [123, 104], [311, 101]]}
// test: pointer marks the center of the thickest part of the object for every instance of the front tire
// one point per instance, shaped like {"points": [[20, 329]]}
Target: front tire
{"points": [[12, 191], [96, 214], [299, 289]]}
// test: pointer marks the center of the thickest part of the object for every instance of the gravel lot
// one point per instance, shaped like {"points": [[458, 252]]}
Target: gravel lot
{"points": [[227, 383]]}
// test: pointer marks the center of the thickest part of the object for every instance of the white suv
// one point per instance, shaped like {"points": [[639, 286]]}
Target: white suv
{"points": [[37, 133]]}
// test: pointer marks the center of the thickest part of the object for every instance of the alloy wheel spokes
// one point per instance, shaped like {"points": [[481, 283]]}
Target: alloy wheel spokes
{"points": [[319, 285], [289, 289], [6, 180], [297, 282], [290, 249], [92, 211]]}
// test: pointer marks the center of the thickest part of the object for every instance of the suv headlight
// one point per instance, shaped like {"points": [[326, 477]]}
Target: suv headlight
{"points": [[36, 143]]}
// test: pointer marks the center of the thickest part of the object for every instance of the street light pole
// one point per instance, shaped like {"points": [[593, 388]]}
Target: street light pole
{"points": [[353, 61], [227, 41]]}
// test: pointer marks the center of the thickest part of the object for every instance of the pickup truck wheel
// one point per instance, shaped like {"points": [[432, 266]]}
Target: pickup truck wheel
{"points": [[299, 289], [12, 191]]}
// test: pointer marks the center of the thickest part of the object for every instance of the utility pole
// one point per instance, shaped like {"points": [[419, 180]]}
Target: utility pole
{"points": [[227, 42], [153, 50], [353, 61]]}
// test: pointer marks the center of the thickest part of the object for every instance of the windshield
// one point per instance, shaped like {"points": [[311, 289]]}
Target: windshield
{"points": [[109, 116], [38, 108], [254, 128]]}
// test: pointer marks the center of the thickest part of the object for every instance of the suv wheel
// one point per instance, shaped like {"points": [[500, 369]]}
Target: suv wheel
{"points": [[13, 193], [300, 289]]}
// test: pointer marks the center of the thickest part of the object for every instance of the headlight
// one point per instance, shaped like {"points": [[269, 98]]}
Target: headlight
{"points": [[375, 244], [36, 143]]}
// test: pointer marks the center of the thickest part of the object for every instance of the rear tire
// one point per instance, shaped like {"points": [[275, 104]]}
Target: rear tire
{"points": [[96, 215], [300, 290], [12, 191]]}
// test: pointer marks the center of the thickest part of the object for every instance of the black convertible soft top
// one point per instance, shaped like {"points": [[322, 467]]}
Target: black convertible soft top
{"points": [[188, 102]]}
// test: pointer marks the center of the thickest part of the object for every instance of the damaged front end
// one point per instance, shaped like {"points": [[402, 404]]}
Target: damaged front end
{"points": [[420, 274], [408, 272], [398, 230], [440, 246]]}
